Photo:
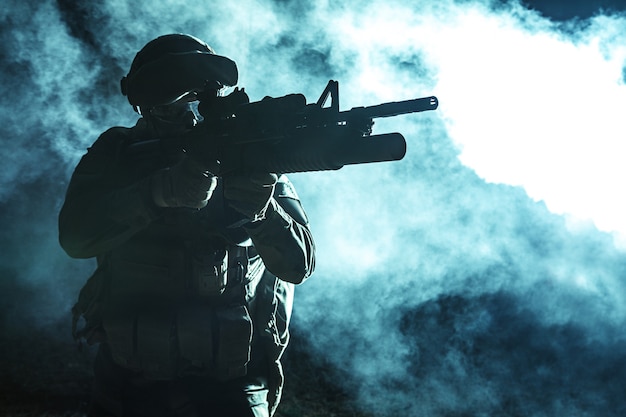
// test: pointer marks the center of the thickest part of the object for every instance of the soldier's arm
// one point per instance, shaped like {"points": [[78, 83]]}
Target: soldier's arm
{"points": [[284, 239], [99, 214]]}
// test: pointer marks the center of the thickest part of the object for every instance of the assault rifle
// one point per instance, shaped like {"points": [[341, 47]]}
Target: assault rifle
{"points": [[286, 134]]}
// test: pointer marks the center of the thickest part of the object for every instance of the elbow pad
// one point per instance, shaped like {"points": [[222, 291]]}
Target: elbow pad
{"points": [[286, 196]]}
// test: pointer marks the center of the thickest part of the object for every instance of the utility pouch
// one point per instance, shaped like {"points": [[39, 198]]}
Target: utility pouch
{"points": [[234, 336], [209, 272]]}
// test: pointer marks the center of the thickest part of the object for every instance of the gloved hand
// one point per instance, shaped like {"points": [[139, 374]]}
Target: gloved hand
{"points": [[186, 184], [250, 194]]}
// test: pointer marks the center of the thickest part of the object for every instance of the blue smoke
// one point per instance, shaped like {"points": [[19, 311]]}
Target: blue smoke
{"points": [[437, 292]]}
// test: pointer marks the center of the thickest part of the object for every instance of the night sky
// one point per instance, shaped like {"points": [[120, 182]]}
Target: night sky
{"points": [[482, 275]]}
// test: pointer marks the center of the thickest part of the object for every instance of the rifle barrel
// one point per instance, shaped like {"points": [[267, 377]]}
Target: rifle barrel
{"points": [[396, 108]]}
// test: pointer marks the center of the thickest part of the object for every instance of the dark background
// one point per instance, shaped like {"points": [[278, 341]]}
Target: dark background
{"points": [[560, 10]]}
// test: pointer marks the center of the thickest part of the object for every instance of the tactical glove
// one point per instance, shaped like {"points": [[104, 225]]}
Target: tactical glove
{"points": [[250, 194], [186, 184]]}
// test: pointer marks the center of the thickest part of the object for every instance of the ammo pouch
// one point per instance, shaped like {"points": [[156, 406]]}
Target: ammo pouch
{"points": [[163, 344], [173, 312], [224, 335]]}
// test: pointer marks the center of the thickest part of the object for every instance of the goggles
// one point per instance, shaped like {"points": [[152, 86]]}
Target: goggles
{"points": [[178, 112]]}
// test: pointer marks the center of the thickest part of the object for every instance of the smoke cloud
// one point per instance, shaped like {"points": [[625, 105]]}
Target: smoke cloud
{"points": [[481, 275]]}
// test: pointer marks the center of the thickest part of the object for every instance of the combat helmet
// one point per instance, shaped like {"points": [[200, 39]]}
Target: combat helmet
{"points": [[172, 66]]}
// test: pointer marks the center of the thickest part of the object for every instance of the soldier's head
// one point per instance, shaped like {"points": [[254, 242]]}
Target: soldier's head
{"points": [[169, 73]]}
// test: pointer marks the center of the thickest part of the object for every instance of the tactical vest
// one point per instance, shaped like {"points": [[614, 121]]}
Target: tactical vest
{"points": [[177, 307], [177, 298], [204, 339]]}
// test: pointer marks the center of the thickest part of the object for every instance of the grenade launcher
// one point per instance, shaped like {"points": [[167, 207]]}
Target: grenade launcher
{"points": [[286, 134]]}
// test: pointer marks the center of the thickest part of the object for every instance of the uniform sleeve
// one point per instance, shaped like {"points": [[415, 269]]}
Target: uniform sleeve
{"points": [[99, 214], [284, 239]]}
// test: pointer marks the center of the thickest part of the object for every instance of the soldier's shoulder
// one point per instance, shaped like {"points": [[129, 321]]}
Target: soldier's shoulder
{"points": [[113, 137]]}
